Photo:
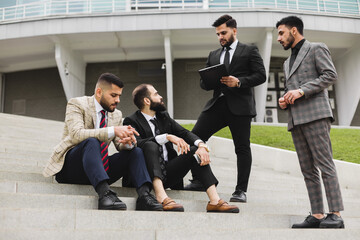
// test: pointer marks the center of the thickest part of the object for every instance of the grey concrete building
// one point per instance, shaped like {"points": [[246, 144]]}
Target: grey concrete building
{"points": [[53, 50]]}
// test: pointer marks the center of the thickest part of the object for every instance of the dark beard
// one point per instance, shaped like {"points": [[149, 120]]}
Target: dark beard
{"points": [[228, 43], [103, 104], [291, 40], [157, 106]]}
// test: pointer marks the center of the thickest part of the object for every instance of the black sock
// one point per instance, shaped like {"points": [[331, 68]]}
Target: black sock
{"points": [[102, 188], [144, 189]]}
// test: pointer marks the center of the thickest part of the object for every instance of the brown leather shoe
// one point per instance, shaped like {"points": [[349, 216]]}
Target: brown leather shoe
{"points": [[222, 206], [170, 205]]}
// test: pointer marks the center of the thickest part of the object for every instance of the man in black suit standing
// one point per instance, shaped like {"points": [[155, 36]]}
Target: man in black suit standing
{"points": [[233, 103], [158, 132]]}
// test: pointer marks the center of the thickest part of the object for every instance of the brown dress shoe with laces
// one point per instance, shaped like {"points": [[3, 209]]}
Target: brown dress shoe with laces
{"points": [[222, 207], [170, 205]]}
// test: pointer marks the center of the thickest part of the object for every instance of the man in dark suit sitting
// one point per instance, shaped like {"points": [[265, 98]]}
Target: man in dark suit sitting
{"points": [[233, 102], [158, 132]]}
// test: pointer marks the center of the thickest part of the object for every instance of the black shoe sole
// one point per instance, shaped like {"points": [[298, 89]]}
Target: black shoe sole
{"points": [[113, 208], [229, 211], [342, 226], [237, 200]]}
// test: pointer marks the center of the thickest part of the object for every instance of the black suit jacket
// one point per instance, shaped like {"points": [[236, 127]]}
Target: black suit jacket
{"points": [[166, 125], [247, 65]]}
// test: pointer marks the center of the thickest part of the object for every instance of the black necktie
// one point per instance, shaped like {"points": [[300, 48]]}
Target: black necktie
{"points": [[104, 145], [227, 59], [161, 150]]}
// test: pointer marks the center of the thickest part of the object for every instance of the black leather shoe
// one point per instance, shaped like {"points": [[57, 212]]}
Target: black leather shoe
{"points": [[195, 185], [332, 221], [148, 202], [238, 196], [309, 222], [110, 201]]}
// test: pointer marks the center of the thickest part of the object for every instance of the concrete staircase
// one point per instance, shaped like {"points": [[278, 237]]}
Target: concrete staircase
{"points": [[34, 207]]}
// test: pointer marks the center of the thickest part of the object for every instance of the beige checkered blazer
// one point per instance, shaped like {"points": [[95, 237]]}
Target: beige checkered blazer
{"points": [[80, 120]]}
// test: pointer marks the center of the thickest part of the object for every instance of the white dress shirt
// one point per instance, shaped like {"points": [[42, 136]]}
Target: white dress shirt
{"points": [[231, 51]]}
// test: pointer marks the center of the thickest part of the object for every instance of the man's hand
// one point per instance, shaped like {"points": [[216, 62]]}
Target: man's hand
{"points": [[230, 81], [204, 156], [291, 96], [126, 134], [179, 142], [282, 103]]}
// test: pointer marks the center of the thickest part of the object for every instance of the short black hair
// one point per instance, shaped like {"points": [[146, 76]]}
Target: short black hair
{"points": [[292, 21], [230, 22], [139, 93], [109, 78]]}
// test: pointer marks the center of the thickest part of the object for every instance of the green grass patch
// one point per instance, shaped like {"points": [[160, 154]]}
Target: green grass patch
{"points": [[345, 142]]}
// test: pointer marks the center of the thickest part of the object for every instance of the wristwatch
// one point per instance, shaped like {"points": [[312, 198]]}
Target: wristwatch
{"points": [[202, 144], [301, 92]]}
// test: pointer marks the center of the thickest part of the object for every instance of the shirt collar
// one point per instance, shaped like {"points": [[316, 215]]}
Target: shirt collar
{"points": [[297, 47], [148, 117], [98, 107], [233, 45]]}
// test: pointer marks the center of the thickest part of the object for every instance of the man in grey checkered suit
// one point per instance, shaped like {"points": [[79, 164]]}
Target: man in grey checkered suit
{"points": [[309, 71]]}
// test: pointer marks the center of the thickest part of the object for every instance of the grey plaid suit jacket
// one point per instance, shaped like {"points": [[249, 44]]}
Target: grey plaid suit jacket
{"points": [[80, 120], [313, 71]]}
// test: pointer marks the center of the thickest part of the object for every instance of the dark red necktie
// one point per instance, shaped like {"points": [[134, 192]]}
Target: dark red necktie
{"points": [[104, 145]]}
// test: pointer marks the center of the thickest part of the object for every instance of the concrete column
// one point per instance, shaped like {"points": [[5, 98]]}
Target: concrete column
{"points": [[169, 73], [71, 68], [264, 45], [128, 5], [2, 92], [347, 88]]}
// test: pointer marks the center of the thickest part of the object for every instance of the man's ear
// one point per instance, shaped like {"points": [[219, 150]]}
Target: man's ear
{"points": [[235, 31], [98, 92], [147, 101]]}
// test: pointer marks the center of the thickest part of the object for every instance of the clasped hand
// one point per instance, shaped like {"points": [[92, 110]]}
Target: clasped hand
{"points": [[289, 98], [183, 147], [126, 134]]}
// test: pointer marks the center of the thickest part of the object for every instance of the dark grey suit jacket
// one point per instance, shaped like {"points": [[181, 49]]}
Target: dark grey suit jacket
{"points": [[313, 71], [247, 65]]}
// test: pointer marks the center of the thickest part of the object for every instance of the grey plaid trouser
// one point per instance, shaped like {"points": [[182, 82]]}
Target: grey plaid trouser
{"points": [[313, 147]]}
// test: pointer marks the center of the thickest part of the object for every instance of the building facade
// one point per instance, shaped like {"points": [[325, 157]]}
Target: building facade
{"points": [[53, 50]]}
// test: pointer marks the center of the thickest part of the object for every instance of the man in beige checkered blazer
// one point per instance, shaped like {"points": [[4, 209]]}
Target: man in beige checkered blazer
{"points": [[309, 71], [91, 123]]}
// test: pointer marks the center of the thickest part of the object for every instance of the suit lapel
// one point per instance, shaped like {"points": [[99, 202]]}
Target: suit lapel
{"points": [[92, 110], [300, 57], [238, 51], [144, 123], [286, 67], [217, 56]]}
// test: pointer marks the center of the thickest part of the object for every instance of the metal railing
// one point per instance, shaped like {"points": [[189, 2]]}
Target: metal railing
{"points": [[49, 8]]}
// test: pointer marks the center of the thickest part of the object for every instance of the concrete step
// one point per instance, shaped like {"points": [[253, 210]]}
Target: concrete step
{"points": [[163, 234], [58, 201], [26, 218]]}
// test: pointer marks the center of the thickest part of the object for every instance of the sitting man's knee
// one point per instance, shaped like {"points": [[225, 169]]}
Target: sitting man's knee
{"points": [[150, 147], [92, 142]]}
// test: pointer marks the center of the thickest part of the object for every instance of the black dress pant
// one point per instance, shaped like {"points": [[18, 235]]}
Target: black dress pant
{"points": [[176, 168], [218, 117], [83, 165]]}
